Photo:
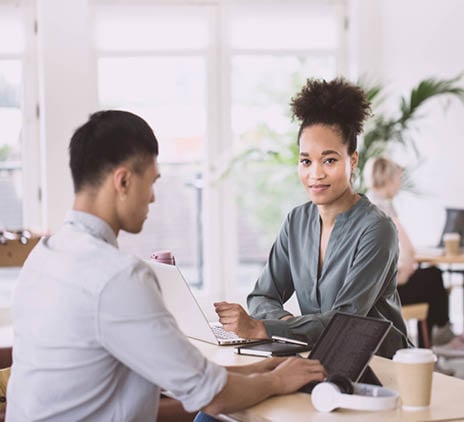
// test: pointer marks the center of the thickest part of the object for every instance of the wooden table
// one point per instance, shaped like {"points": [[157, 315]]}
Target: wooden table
{"points": [[448, 263], [447, 397], [434, 257]]}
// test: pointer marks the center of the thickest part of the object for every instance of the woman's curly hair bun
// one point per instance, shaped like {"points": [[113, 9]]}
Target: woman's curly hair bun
{"points": [[337, 102]]}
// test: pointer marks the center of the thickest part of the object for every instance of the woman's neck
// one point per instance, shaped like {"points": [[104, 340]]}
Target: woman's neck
{"points": [[328, 213]]}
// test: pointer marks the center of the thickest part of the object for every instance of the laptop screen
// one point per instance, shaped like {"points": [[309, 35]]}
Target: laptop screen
{"points": [[348, 342]]}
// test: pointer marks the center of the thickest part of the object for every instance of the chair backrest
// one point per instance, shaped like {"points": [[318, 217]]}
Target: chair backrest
{"points": [[6, 357], [415, 311], [418, 311], [4, 377]]}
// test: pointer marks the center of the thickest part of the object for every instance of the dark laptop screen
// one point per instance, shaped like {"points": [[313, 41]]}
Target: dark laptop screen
{"points": [[348, 342]]}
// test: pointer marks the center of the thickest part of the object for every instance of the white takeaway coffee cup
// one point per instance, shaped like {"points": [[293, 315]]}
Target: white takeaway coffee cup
{"points": [[452, 242], [414, 373]]}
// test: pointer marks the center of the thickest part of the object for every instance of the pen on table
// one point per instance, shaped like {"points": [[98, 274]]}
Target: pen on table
{"points": [[289, 340]]}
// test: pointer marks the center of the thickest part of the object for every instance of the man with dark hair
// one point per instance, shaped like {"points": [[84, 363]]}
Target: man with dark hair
{"points": [[93, 338], [106, 140]]}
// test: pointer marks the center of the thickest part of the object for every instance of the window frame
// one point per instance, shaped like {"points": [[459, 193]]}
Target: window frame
{"points": [[211, 196], [30, 151]]}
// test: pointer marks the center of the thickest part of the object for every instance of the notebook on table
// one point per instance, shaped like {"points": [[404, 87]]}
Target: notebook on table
{"points": [[272, 348], [346, 346], [181, 302]]}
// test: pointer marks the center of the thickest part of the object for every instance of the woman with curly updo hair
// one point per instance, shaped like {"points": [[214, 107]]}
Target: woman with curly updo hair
{"points": [[337, 252]]}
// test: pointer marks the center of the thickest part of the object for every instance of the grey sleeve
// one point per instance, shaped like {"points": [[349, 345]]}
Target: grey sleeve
{"points": [[275, 286], [372, 273], [137, 329]]}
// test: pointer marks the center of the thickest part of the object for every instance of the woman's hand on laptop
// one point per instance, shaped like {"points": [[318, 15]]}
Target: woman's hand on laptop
{"points": [[234, 318]]}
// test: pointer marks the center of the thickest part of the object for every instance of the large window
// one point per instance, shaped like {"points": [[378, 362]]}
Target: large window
{"points": [[214, 79], [19, 181], [11, 117], [272, 52], [153, 60]]}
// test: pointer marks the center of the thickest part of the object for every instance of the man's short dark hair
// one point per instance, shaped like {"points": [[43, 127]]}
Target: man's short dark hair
{"points": [[106, 140]]}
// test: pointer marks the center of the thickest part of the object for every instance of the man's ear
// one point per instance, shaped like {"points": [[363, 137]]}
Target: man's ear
{"points": [[121, 179]]}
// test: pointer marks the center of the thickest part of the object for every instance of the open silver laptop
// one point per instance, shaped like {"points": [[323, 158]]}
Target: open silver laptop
{"points": [[181, 302]]}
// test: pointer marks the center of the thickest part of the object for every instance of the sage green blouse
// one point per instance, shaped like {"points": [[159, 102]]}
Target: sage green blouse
{"points": [[358, 275]]}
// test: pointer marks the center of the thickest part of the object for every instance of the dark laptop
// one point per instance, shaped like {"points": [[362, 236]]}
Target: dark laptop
{"points": [[346, 346]]}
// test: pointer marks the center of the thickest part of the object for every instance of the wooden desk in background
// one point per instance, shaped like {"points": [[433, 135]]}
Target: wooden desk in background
{"points": [[13, 252], [434, 257], [447, 396], [451, 264]]}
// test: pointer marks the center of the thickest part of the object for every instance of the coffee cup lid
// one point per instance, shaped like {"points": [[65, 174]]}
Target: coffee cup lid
{"points": [[414, 355], [451, 236]]}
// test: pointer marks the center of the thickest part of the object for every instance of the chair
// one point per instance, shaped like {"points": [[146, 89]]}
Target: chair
{"points": [[418, 312], [5, 364], [4, 376]]}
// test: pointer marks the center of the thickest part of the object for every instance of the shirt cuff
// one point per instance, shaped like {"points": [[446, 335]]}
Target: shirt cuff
{"points": [[306, 328], [211, 383], [276, 327]]}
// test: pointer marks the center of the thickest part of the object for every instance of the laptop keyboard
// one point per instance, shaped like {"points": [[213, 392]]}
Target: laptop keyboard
{"points": [[222, 334]]}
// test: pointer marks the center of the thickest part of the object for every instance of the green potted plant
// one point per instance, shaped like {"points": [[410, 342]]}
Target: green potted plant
{"points": [[382, 130]]}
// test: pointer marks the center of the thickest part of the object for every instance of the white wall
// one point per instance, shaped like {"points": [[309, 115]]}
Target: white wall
{"points": [[67, 94], [401, 42]]}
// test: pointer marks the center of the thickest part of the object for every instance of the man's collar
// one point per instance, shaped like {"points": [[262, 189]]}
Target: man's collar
{"points": [[93, 224]]}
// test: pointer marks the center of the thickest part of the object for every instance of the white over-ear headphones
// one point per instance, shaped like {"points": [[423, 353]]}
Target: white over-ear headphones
{"points": [[330, 395]]}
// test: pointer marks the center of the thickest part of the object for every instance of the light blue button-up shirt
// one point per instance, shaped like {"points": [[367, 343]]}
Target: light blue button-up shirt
{"points": [[93, 339]]}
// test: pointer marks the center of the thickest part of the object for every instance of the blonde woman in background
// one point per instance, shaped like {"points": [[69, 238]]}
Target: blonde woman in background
{"points": [[414, 284]]}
